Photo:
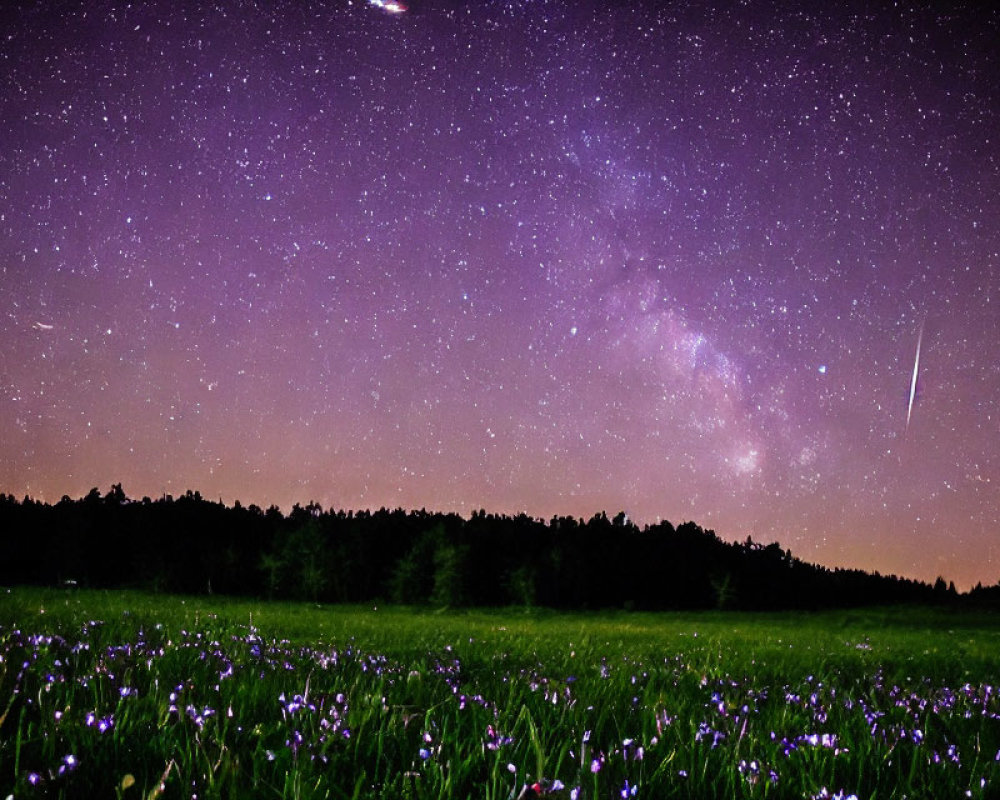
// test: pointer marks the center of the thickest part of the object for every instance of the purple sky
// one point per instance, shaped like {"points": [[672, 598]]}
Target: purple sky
{"points": [[551, 257]]}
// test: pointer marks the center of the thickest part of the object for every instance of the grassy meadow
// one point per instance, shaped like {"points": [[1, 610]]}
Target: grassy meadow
{"points": [[117, 694]]}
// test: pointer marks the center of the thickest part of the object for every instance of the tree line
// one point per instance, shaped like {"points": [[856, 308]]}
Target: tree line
{"points": [[192, 545]]}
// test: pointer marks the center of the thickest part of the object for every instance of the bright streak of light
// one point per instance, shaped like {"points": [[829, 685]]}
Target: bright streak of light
{"points": [[389, 6], [913, 380]]}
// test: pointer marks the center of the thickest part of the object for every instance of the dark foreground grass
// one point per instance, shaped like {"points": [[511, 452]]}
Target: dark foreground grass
{"points": [[139, 696]]}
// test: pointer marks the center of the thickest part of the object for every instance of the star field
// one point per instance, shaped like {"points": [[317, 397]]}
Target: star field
{"points": [[551, 257]]}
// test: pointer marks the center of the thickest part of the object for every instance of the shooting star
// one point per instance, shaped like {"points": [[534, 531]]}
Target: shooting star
{"points": [[390, 6], [41, 326], [913, 380]]}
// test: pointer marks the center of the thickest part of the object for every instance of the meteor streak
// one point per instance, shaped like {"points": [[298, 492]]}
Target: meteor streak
{"points": [[389, 6], [913, 380]]}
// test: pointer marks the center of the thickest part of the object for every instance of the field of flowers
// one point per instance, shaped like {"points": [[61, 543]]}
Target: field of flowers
{"points": [[136, 696]]}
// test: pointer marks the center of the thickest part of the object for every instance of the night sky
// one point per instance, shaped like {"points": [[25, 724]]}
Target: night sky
{"points": [[681, 260]]}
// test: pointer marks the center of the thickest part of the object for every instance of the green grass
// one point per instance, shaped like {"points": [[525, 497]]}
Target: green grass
{"points": [[211, 697]]}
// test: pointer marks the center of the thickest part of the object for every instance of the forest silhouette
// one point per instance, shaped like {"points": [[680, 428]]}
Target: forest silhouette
{"points": [[191, 545]]}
